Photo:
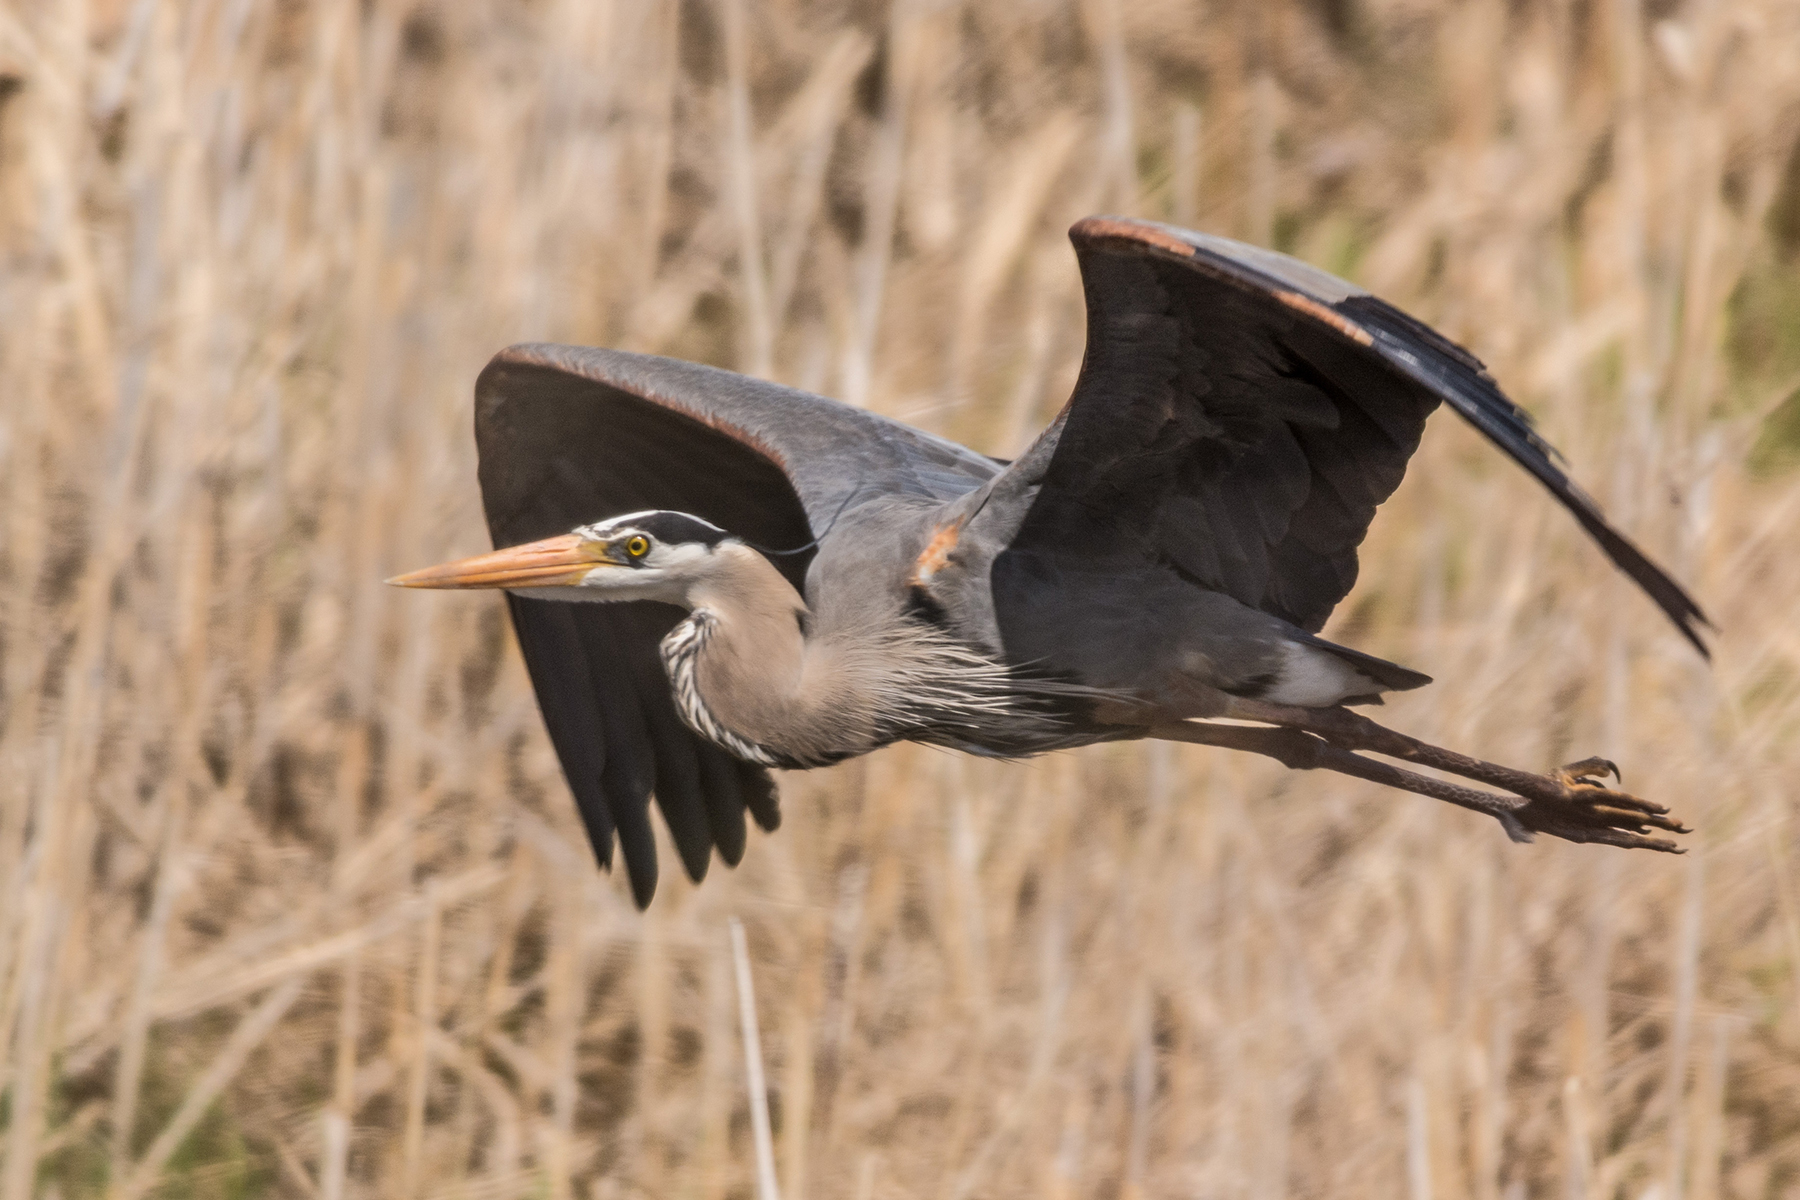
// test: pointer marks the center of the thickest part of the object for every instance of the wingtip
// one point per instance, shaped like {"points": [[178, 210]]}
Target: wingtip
{"points": [[642, 890], [1687, 616], [1692, 634]]}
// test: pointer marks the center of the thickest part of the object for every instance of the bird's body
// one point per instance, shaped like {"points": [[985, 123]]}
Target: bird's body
{"points": [[786, 581]]}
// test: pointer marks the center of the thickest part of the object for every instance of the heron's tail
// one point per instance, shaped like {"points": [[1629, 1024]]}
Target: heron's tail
{"points": [[1321, 674]]}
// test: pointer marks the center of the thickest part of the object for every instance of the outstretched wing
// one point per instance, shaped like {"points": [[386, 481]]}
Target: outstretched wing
{"points": [[568, 436], [1239, 416]]}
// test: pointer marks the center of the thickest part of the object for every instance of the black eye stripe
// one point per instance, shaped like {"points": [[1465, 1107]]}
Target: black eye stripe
{"points": [[665, 528], [673, 528]]}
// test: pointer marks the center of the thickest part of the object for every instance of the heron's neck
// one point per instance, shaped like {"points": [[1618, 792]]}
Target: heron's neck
{"points": [[756, 672], [757, 668]]}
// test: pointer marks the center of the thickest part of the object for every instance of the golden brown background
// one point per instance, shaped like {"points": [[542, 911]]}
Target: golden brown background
{"points": [[293, 900]]}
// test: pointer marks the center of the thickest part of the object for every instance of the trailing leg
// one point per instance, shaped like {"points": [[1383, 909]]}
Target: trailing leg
{"points": [[1568, 804]]}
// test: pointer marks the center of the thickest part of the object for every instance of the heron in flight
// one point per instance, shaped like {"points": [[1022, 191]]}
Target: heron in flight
{"points": [[712, 575]]}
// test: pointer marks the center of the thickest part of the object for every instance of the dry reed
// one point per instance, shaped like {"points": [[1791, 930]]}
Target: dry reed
{"points": [[292, 898]]}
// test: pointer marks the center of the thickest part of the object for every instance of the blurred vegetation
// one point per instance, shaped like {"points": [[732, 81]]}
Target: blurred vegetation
{"points": [[1764, 353], [292, 898]]}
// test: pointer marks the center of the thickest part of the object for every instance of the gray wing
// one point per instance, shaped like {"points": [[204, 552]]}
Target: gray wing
{"points": [[568, 436], [1238, 418]]}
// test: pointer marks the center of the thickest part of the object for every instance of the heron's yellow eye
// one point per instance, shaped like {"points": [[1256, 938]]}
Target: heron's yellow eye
{"points": [[638, 546]]}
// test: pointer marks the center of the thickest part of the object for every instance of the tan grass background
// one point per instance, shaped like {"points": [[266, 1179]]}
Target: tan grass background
{"points": [[292, 897]]}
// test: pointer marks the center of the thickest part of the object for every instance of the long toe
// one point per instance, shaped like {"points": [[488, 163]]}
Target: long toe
{"points": [[1579, 808]]}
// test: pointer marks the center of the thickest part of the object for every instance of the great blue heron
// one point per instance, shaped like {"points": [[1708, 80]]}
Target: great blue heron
{"points": [[805, 581]]}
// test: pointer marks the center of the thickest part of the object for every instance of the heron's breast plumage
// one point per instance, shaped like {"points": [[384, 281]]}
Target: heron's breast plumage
{"points": [[910, 682]]}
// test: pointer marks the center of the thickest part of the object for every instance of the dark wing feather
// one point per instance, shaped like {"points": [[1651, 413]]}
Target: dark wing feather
{"points": [[1459, 377], [568, 436], [1240, 415]]}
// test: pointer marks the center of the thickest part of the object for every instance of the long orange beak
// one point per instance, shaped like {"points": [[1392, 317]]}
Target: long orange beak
{"points": [[556, 561]]}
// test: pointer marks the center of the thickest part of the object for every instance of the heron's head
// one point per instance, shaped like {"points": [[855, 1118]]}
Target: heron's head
{"points": [[639, 556]]}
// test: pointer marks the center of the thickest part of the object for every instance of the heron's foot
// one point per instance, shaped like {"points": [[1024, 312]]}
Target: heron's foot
{"points": [[1574, 803]]}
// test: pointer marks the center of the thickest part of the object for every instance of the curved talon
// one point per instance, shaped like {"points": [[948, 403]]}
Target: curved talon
{"points": [[1590, 770]]}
